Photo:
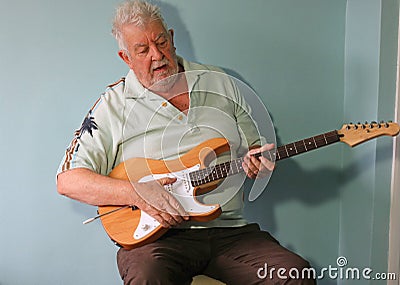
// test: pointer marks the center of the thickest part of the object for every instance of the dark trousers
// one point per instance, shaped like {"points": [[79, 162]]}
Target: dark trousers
{"points": [[243, 256]]}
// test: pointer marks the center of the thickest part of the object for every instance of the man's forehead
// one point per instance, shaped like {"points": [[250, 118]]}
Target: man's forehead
{"points": [[152, 30]]}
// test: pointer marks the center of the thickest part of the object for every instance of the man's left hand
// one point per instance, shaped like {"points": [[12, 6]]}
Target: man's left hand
{"points": [[258, 167]]}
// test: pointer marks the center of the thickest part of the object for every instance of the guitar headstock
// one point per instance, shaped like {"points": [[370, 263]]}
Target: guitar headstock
{"points": [[354, 134]]}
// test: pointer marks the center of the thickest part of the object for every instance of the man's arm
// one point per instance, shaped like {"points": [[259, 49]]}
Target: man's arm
{"points": [[86, 186]]}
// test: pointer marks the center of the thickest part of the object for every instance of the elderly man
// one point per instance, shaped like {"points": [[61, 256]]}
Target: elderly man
{"points": [[160, 111]]}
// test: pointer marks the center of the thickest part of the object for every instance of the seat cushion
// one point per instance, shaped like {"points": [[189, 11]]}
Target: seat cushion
{"points": [[205, 280]]}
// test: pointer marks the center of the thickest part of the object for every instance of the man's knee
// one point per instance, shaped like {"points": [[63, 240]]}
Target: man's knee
{"points": [[291, 269], [146, 269], [145, 273], [298, 271]]}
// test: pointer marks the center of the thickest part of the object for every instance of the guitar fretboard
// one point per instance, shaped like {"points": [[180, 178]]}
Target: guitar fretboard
{"points": [[223, 170]]}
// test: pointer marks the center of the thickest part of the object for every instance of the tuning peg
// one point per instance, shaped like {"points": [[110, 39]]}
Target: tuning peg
{"points": [[376, 124], [386, 125], [363, 126]]}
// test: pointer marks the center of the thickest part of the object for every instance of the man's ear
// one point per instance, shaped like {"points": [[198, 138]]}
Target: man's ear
{"points": [[171, 34], [125, 57]]}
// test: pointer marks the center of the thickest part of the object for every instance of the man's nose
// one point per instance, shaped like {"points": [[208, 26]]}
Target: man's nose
{"points": [[156, 54]]}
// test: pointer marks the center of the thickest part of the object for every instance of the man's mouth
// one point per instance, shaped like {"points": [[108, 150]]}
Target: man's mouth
{"points": [[160, 68]]}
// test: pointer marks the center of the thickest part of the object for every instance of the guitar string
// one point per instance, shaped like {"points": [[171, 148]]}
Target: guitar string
{"points": [[281, 152], [201, 176]]}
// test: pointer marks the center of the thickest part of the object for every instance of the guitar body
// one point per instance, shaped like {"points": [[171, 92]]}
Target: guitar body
{"points": [[130, 227]]}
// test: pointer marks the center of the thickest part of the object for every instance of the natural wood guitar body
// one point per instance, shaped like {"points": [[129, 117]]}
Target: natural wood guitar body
{"points": [[121, 224]]}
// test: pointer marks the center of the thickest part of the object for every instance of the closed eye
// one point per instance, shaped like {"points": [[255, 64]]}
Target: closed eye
{"points": [[162, 44], [141, 50]]}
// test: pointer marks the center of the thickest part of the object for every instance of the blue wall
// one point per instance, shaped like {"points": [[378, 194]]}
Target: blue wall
{"points": [[314, 63]]}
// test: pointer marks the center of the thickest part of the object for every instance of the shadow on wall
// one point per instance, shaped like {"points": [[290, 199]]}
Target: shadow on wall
{"points": [[182, 38], [312, 187]]}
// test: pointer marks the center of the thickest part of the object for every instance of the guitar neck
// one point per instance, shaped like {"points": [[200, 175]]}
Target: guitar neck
{"points": [[223, 170], [301, 146]]}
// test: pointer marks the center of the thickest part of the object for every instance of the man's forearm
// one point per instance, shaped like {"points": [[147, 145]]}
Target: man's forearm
{"points": [[91, 188]]}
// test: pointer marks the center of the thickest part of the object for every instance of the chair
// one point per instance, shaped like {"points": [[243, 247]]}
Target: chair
{"points": [[205, 280]]}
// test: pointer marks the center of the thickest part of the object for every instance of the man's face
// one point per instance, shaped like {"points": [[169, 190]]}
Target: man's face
{"points": [[151, 52]]}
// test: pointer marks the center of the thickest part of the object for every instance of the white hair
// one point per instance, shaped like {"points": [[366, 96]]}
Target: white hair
{"points": [[134, 12]]}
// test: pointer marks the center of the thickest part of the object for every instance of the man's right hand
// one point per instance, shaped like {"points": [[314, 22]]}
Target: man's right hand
{"points": [[153, 199], [86, 186]]}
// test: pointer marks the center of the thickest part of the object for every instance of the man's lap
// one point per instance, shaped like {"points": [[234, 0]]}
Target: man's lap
{"points": [[233, 255]]}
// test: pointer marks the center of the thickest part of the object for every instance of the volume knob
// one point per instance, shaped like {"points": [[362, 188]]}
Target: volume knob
{"points": [[145, 227]]}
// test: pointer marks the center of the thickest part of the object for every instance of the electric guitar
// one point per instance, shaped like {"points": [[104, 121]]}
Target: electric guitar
{"points": [[129, 227]]}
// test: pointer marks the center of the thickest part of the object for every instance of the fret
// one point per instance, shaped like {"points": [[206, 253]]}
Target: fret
{"points": [[305, 146], [300, 147], [200, 175], [229, 170], [237, 167], [207, 178], [287, 153], [310, 144], [282, 152], [291, 149], [214, 174], [320, 140], [315, 143], [277, 155], [270, 155], [223, 169], [219, 171], [227, 167], [295, 148], [237, 170], [326, 142], [332, 137]]}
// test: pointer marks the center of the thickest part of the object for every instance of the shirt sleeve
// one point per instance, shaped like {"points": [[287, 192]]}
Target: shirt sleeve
{"points": [[247, 126], [91, 146]]}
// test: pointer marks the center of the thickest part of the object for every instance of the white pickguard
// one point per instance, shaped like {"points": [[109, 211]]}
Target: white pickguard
{"points": [[182, 190]]}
